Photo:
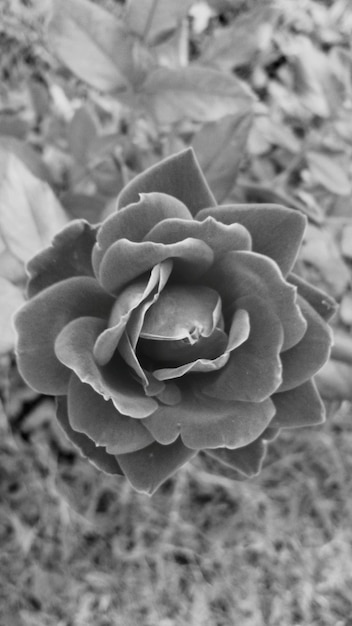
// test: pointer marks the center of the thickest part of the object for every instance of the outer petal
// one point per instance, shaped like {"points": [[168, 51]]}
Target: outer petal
{"points": [[309, 355], [135, 221], [125, 260], [39, 322], [205, 422], [179, 176], [97, 418], [98, 456], [240, 274], [68, 255], [254, 369], [219, 237], [320, 301], [301, 406], [247, 460], [147, 469], [276, 231], [74, 348]]}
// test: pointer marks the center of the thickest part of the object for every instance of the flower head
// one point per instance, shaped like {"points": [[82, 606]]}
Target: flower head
{"points": [[175, 326]]}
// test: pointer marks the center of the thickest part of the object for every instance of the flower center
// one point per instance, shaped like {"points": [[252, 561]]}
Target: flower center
{"points": [[182, 326]]}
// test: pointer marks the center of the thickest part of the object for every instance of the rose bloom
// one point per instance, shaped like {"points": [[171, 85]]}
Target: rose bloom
{"points": [[175, 326]]}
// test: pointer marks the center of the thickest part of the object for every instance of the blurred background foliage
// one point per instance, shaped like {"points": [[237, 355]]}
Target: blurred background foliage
{"points": [[92, 93]]}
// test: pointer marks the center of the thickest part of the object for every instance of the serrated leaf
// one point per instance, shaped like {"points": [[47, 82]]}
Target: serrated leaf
{"points": [[11, 298], [329, 172], [197, 93], [154, 19], [92, 43], [82, 132], [30, 213], [220, 147]]}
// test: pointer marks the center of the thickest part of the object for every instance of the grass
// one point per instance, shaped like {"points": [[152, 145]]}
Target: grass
{"points": [[82, 549]]}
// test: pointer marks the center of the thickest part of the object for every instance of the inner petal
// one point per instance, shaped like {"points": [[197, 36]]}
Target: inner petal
{"points": [[183, 312], [183, 325]]}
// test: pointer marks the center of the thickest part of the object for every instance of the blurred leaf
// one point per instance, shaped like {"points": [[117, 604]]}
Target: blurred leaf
{"points": [[152, 20], [267, 132], [220, 147], [40, 97], [26, 154], [346, 241], [345, 310], [82, 206], [11, 267], [108, 178], [82, 132], [92, 43], [30, 214], [11, 298], [334, 381], [323, 265], [195, 93], [13, 125], [313, 80], [328, 172], [236, 45]]}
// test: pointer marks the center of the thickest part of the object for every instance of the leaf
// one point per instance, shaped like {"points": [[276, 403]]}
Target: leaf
{"points": [[25, 153], [30, 214], [152, 20], [39, 94], [13, 125], [82, 132], [334, 381], [220, 147], [322, 262], [11, 298], [236, 45], [197, 93], [92, 43], [329, 172]]}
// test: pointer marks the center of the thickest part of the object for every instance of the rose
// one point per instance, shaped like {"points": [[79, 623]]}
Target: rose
{"points": [[174, 327]]}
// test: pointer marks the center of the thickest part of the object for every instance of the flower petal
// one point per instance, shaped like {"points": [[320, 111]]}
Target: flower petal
{"points": [[276, 231], [208, 354], [74, 348], [126, 303], [183, 312], [126, 260], [304, 360], [151, 386], [183, 353], [97, 418], [301, 406], [135, 221], [221, 238], [68, 255], [247, 460], [179, 175], [98, 456], [319, 300], [205, 422], [147, 469], [240, 274], [254, 370], [39, 322]]}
